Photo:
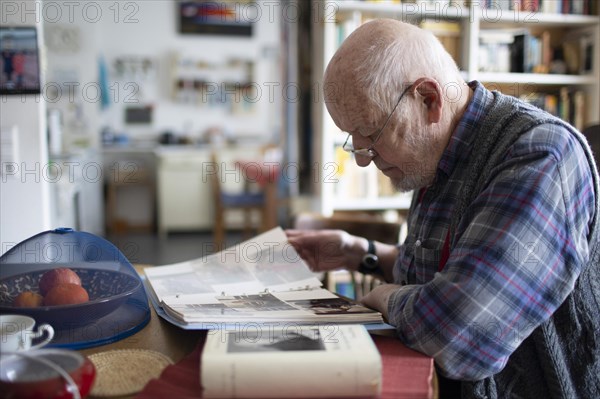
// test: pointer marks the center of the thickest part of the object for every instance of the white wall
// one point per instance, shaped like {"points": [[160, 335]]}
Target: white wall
{"points": [[24, 196], [81, 32], [71, 49], [151, 30], [72, 75]]}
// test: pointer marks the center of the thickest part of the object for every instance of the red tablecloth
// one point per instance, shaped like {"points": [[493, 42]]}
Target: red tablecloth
{"points": [[406, 374]]}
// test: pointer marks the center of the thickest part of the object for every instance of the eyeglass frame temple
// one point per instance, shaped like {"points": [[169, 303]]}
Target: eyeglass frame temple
{"points": [[369, 150]]}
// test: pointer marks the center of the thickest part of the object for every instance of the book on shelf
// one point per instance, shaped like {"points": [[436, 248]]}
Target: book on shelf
{"points": [[447, 32], [303, 362], [567, 104], [512, 50], [385, 1], [526, 53], [354, 182], [520, 51], [261, 280], [576, 7], [587, 54], [495, 50]]}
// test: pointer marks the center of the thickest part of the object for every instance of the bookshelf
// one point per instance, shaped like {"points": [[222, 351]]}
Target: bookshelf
{"points": [[463, 27]]}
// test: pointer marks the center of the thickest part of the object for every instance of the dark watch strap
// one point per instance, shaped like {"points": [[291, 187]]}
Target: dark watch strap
{"points": [[371, 247], [370, 262]]}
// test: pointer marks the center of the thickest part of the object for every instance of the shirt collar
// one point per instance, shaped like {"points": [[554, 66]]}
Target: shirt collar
{"points": [[459, 145]]}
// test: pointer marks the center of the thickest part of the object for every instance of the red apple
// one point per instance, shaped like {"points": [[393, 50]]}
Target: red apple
{"points": [[66, 294], [57, 276], [28, 299]]}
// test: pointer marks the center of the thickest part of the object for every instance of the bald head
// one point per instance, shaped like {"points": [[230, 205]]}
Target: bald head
{"points": [[366, 42], [379, 58], [380, 61]]}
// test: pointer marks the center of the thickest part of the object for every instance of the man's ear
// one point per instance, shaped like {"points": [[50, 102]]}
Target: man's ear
{"points": [[430, 92]]}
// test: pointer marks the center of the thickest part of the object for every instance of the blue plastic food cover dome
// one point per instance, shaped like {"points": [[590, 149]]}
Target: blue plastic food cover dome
{"points": [[117, 306]]}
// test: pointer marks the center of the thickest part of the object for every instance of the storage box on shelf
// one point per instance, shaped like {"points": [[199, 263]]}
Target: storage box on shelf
{"points": [[472, 32], [201, 83]]}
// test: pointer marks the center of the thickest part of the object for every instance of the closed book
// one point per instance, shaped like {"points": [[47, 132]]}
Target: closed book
{"points": [[564, 108], [518, 53], [579, 110], [291, 361]]}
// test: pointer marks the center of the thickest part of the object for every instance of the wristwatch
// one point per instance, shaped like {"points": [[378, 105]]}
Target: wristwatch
{"points": [[370, 261]]}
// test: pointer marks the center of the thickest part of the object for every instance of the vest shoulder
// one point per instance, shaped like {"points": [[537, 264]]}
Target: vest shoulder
{"points": [[553, 139]]}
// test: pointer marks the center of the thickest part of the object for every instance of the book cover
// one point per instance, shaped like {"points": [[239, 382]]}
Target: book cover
{"points": [[294, 362], [495, 50], [518, 53], [564, 108]]}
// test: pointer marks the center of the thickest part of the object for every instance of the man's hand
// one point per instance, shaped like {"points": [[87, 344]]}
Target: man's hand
{"points": [[325, 250], [380, 296]]}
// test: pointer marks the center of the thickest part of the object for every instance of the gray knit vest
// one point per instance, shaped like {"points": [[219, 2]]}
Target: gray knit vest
{"points": [[561, 358]]}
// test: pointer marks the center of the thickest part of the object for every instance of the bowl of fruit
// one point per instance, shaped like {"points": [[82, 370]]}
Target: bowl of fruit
{"points": [[66, 297]]}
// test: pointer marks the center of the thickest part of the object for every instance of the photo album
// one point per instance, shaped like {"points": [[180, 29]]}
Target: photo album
{"points": [[261, 280]]}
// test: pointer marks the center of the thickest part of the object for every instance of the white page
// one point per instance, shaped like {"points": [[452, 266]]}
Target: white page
{"points": [[265, 262]]}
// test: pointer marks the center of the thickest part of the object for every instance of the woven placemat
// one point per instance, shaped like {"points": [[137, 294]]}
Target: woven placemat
{"points": [[126, 371]]}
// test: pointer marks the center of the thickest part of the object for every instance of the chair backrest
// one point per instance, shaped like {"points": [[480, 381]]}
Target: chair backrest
{"points": [[371, 229], [215, 183]]}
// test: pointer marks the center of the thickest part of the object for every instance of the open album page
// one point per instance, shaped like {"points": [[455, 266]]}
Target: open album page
{"points": [[260, 279]]}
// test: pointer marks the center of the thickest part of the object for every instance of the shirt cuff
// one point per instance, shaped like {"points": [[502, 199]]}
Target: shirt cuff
{"points": [[397, 302]]}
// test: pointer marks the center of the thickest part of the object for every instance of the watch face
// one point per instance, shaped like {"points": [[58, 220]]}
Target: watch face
{"points": [[370, 261]]}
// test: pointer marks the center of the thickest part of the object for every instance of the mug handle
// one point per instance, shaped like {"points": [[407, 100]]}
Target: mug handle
{"points": [[47, 328]]}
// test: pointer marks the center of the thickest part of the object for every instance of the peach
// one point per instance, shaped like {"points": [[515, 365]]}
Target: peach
{"points": [[57, 276], [28, 299], [66, 294]]}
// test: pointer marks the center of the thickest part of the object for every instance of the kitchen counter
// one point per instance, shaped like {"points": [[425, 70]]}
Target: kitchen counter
{"points": [[182, 195]]}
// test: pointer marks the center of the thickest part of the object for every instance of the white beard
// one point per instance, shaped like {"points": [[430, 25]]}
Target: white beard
{"points": [[411, 182], [422, 172]]}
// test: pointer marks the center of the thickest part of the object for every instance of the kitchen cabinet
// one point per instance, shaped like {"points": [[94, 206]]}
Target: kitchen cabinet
{"points": [[184, 193], [184, 199]]}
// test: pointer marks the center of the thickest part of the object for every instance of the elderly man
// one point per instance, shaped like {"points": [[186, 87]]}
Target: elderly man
{"points": [[498, 278]]}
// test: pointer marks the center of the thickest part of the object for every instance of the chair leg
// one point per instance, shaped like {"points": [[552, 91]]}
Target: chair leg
{"points": [[219, 231], [265, 225], [247, 222]]}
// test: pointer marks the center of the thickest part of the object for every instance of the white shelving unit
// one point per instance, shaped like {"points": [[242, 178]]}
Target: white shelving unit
{"points": [[337, 18]]}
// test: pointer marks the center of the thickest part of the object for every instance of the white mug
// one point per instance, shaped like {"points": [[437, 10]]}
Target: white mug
{"points": [[18, 333]]}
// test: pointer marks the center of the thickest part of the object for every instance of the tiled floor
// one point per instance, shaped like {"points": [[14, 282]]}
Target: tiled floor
{"points": [[150, 249]]}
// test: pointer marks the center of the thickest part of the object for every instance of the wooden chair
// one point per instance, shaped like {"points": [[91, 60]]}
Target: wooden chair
{"points": [[224, 202], [362, 226]]}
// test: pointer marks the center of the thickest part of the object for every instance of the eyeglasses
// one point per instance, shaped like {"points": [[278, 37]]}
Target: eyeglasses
{"points": [[369, 152]]}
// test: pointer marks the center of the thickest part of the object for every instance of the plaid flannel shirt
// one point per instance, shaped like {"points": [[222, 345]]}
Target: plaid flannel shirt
{"points": [[516, 256]]}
